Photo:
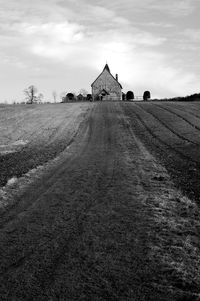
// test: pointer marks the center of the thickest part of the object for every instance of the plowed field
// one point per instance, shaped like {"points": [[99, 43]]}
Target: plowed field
{"points": [[171, 131], [100, 201]]}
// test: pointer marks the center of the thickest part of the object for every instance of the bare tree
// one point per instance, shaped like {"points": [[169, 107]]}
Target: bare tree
{"points": [[74, 92], [54, 93], [83, 92], [40, 97], [30, 93], [63, 96]]}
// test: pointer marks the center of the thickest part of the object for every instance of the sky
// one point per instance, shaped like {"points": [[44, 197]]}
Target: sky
{"points": [[62, 45]]}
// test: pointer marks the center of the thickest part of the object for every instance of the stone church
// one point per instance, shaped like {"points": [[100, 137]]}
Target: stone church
{"points": [[106, 87]]}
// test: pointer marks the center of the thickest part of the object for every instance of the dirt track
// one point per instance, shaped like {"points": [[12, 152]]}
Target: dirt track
{"points": [[104, 223]]}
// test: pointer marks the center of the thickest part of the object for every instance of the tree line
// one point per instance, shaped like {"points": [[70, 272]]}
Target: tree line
{"points": [[193, 97], [33, 96]]}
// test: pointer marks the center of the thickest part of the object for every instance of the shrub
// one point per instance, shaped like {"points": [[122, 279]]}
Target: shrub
{"points": [[146, 95], [129, 95]]}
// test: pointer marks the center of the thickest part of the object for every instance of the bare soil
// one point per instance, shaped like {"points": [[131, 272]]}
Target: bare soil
{"points": [[171, 132], [31, 135], [103, 220]]}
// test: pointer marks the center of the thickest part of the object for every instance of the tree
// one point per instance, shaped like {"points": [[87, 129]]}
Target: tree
{"points": [[123, 96], [70, 96], [63, 96], [54, 93], [129, 95], [83, 92], [30, 93], [146, 95], [40, 97], [89, 97]]}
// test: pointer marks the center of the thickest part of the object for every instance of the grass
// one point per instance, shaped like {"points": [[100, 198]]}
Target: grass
{"points": [[31, 135]]}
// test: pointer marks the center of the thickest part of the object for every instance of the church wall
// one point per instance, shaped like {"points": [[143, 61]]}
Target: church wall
{"points": [[107, 82]]}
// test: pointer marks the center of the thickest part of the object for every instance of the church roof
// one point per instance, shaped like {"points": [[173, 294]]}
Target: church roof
{"points": [[108, 69]]}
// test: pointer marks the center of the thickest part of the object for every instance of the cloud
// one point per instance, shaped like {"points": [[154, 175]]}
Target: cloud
{"points": [[141, 69], [192, 34], [176, 8], [60, 32], [71, 43], [156, 24], [52, 40], [173, 8], [83, 34]]}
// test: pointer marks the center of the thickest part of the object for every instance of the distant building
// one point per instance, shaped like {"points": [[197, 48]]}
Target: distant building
{"points": [[106, 87], [80, 97]]}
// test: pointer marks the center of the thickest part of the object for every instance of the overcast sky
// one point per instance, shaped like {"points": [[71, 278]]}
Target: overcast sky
{"points": [[63, 45]]}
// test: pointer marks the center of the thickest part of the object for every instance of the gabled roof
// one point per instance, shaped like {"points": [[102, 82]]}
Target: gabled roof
{"points": [[108, 69]]}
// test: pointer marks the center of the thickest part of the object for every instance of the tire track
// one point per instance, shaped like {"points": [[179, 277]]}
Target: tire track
{"points": [[38, 195], [163, 142], [101, 189], [178, 115], [46, 277], [41, 148], [167, 127], [89, 232], [183, 167], [12, 211], [178, 107]]}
